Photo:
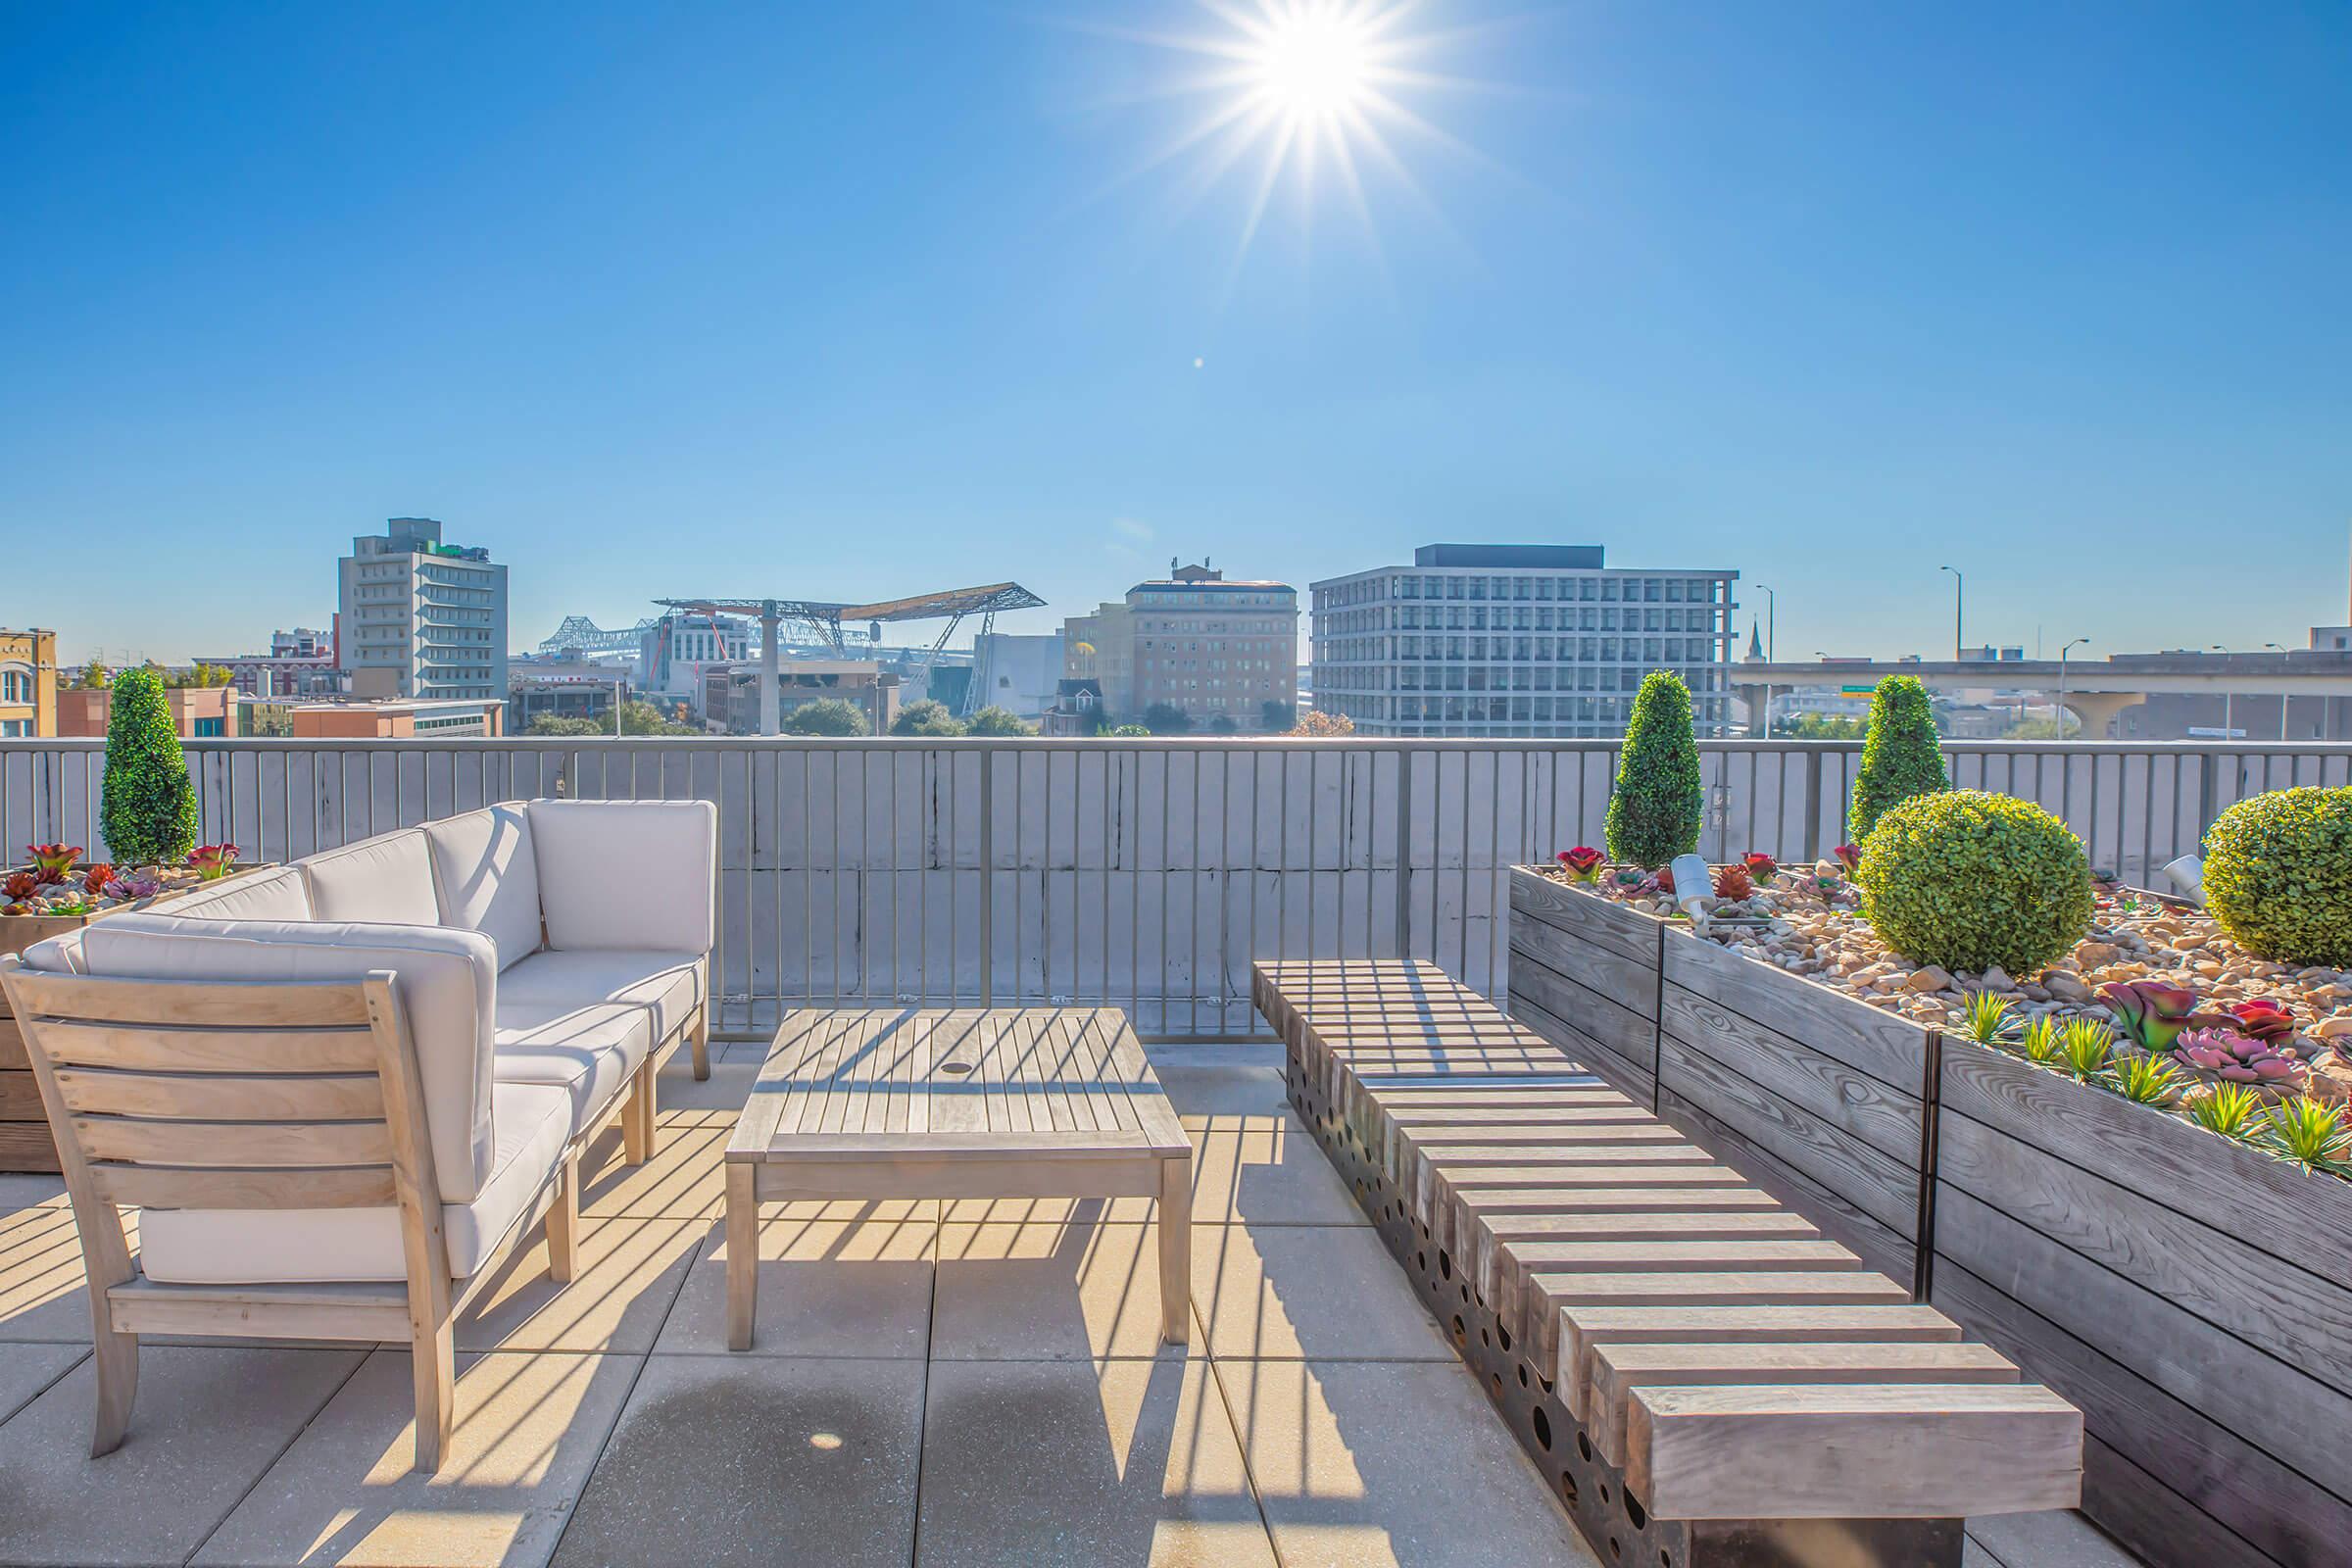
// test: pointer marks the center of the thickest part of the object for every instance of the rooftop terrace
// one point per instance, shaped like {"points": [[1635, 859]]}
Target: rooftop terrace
{"points": [[978, 1383]]}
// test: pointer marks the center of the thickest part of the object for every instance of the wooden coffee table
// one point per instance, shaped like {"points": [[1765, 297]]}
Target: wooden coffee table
{"points": [[957, 1103]]}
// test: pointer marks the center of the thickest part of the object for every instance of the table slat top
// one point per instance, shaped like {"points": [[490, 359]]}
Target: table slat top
{"points": [[1049, 1082]]}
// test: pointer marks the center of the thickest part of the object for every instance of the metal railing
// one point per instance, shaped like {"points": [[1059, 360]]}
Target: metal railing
{"points": [[1141, 874]]}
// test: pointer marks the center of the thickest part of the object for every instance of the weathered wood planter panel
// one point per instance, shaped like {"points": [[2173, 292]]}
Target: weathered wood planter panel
{"points": [[2193, 1297], [1585, 972], [1820, 1094]]}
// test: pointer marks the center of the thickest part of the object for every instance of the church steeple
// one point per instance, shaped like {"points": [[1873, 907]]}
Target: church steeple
{"points": [[1755, 643]]}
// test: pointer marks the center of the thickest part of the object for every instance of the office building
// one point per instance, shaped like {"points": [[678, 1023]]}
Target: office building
{"points": [[675, 649], [198, 713], [1517, 640], [422, 618], [28, 683], [300, 663], [1019, 673], [1219, 650]]}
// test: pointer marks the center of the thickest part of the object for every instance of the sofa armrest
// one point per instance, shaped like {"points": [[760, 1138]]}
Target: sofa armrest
{"points": [[627, 873]]}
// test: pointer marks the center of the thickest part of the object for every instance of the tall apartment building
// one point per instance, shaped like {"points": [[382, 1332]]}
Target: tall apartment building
{"points": [[28, 683], [1517, 640], [422, 618], [1211, 648]]}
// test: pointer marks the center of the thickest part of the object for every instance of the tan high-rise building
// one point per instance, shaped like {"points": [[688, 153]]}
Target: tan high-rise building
{"points": [[1213, 649], [28, 683]]}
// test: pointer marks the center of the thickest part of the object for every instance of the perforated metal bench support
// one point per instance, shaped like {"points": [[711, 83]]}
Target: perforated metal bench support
{"points": [[1619, 1528]]}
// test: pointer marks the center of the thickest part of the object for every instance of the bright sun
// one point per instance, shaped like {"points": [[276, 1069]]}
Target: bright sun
{"points": [[1312, 96], [1314, 64]]}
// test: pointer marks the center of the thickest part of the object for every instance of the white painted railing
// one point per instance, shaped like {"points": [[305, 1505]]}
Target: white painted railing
{"points": [[1144, 873]]}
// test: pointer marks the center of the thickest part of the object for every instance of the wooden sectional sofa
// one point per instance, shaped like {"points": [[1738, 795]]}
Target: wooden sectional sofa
{"points": [[341, 1093]]}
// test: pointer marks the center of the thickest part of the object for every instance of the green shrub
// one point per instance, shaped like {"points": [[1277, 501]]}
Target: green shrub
{"points": [[147, 805], [927, 718], [995, 720], [1968, 880], [1900, 758], [2279, 875], [827, 716], [1656, 809]]}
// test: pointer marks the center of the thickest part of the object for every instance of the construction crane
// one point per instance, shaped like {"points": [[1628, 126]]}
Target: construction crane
{"points": [[823, 623]]}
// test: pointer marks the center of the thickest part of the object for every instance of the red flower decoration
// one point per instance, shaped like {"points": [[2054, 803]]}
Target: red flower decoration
{"points": [[1582, 862], [2264, 1020], [1732, 883], [53, 861], [1761, 867], [94, 880], [1849, 857], [212, 860]]}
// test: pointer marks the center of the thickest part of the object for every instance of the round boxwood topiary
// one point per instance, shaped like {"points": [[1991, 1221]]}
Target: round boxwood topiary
{"points": [[147, 805], [1900, 754], [1968, 880], [1655, 811], [2279, 875]]}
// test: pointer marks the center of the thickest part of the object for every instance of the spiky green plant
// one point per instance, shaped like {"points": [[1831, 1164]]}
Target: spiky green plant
{"points": [[147, 805], [2310, 1132], [1655, 811], [2040, 1041], [1986, 1018], [1902, 757], [2230, 1110], [2085, 1047], [2146, 1079]]}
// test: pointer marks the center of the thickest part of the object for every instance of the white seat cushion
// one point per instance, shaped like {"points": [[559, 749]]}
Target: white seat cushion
{"points": [[670, 984], [667, 850], [385, 880], [283, 1245], [447, 982], [488, 877], [280, 895], [589, 1053]]}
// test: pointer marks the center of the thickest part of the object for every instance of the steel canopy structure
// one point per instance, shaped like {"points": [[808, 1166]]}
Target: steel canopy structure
{"points": [[823, 621]]}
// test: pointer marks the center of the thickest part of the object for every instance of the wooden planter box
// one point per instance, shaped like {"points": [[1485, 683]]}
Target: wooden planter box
{"points": [[25, 1142], [2193, 1297]]}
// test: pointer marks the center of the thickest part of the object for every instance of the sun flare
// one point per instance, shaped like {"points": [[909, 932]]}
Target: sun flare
{"points": [[1314, 64], [1313, 101]]}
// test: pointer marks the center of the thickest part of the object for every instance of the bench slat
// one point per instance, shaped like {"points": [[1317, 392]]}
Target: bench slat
{"points": [[1895, 1450]]}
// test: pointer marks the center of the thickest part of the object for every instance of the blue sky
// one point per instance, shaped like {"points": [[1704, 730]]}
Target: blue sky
{"points": [[855, 301]]}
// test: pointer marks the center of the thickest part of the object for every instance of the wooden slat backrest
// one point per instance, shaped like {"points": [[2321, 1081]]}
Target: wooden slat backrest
{"points": [[244, 1095]]}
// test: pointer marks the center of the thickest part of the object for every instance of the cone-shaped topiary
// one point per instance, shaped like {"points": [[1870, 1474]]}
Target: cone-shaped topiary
{"points": [[2279, 875], [1967, 880], [1654, 813], [1900, 757], [147, 807]]}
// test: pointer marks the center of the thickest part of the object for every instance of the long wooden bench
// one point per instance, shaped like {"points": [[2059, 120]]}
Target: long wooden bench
{"points": [[1709, 1379]]}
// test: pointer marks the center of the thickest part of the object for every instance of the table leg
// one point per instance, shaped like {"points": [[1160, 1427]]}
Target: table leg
{"points": [[1176, 1248], [743, 1255]]}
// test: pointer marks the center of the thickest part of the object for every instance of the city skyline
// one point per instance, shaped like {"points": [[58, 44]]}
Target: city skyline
{"points": [[665, 308]]}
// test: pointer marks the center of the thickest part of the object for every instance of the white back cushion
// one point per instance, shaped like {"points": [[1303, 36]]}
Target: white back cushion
{"points": [[489, 877], [664, 852], [58, 954], [280, 895], [387, 879], [446, 983]]}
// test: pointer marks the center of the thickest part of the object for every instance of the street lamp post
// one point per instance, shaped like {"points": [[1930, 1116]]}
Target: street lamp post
{"points": [[1959, 587], [2060, 716]]}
